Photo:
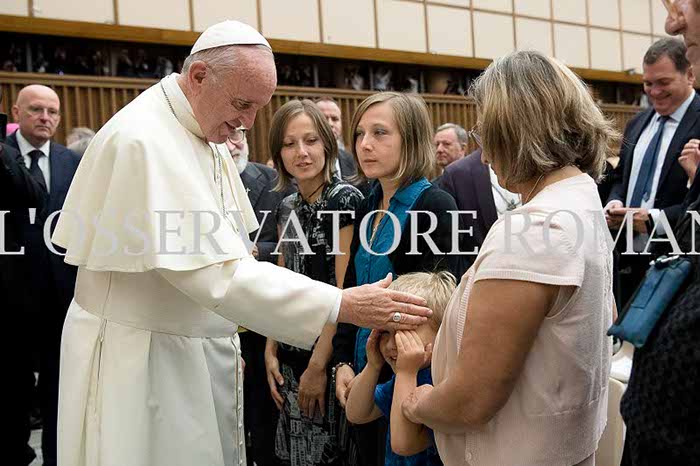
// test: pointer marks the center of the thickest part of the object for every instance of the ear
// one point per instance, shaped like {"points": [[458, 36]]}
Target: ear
{"points": [[428, 352], [691, 75], [196, 74], [15, 113]]}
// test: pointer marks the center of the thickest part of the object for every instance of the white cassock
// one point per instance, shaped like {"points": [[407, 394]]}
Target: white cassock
{"points": [[150, 361]]}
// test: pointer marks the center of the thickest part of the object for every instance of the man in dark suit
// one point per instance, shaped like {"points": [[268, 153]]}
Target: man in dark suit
{"points": [[649, 181], [475, 188], [50, 280], [260, 415], [19, 191]]}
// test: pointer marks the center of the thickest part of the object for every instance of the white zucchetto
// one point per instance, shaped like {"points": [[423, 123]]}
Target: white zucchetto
{"points": [[228, 32]]}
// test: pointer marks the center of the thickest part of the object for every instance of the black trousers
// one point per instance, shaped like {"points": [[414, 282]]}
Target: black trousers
{"points": [[260, 413]]}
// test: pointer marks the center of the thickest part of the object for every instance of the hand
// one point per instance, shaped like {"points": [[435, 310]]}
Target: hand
{"points": [[613, 220], [344, 376], [373, 306], [409, 407], [412, 355], [274, 378], [255, 251], [374, 356], [690, 157], [312, 391]]}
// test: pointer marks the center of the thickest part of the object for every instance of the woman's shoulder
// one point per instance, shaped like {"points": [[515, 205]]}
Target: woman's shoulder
{"points": [[434, 198]]}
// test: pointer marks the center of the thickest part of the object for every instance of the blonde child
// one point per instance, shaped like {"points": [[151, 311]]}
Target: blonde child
{"points": [[408, 354]]}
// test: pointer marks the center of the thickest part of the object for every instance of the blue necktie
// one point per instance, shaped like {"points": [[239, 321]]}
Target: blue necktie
{"points": [[645, 177]]}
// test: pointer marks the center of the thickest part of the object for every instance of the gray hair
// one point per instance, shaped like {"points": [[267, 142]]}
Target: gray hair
{"points": [[670, 47], [461, 133], [218, 58]]}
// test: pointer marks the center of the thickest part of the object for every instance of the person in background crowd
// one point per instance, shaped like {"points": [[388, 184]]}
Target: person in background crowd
{"points": [[260, 415], [19, 191], [304, 147], [450, 144], [649, 179], [508, 366], [408, 354], [392, 144], [659, 407], [78, 139], [38, 112], [345, 166]]}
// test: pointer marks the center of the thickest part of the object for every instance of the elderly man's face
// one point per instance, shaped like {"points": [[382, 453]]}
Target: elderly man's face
{"points": [[228, 99], [684, 19], [332, 113], [37, 112], [447, 147], [239, 152]]}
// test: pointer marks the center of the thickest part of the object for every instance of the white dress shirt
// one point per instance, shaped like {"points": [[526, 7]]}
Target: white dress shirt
{"points": [[640, 149], [504, 199], [25, 148]]}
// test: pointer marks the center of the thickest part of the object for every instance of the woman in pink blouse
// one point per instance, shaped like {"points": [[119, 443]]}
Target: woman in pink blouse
{"points": [[521, 362]]}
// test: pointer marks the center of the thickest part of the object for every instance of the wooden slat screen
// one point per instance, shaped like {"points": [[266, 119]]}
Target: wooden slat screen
{"points": [[90, 101]]}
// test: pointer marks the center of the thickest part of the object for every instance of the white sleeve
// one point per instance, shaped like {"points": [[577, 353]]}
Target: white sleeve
{"points": [[262, 297]]}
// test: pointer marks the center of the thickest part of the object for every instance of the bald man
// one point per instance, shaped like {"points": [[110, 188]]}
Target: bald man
{"points": [[50, 281]]}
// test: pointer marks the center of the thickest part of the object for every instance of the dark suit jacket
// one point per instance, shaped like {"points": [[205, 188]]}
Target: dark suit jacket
{"points": [[259, 180], [57, 278], [469, 182], [433, 200], [673, 181], [347, 164]]}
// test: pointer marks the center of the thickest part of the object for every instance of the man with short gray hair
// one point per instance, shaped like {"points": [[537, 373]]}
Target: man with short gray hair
{"points": [[450, 144]]}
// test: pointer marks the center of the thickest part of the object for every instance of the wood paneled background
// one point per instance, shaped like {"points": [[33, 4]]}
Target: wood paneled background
{"points": [[91, 101]]}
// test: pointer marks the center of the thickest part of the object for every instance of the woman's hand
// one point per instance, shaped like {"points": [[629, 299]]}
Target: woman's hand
{"points": [[374, 356], [343, 378], [412, 355], [274, 378], [312, 390], [409, 407]]}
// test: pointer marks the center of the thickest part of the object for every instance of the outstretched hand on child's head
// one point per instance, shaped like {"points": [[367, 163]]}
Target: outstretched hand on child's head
{"points": [[374, 355], [412, 354]]}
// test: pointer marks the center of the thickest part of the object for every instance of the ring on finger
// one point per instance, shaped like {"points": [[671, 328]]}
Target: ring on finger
{"points": [[396, 317]]}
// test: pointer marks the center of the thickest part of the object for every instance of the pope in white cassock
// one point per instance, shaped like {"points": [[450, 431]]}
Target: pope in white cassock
{"points": [[150, 363]]}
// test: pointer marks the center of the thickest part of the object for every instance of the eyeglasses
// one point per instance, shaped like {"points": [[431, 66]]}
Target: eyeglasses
{"points": [[238, 135], [39, 111], [474, 134]]}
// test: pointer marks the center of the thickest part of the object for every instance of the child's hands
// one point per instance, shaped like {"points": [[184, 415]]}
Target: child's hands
{"points": [[374, 356], [412, 355]]}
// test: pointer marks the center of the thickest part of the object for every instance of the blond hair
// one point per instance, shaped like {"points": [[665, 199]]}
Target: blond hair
{"points": [[536, 116], [435, 287], [417, 158], [283, 116]]}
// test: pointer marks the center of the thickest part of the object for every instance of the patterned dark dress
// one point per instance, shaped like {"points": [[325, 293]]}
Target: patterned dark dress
{"points": [[660, 406], [300, 440]]}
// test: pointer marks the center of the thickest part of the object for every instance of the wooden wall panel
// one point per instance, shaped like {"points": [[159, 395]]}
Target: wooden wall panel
{"points": [[91, 101]]}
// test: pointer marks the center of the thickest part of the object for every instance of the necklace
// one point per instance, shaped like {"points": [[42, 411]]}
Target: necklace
{"points": [[218, 164], [511, 204], [376, 225], [307, 198], [527, 198]]}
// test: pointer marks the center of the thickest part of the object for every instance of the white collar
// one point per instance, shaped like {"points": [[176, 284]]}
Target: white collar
{"points": [[678, 115], [181, 106], [25, 147]]}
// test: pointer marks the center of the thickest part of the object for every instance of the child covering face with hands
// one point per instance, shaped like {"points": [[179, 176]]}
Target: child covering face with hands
{"points": [[408, 354]]}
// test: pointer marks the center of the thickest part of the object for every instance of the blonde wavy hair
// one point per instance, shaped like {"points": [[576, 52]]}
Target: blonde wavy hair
{"points": [[536, 116], [435, 287]]}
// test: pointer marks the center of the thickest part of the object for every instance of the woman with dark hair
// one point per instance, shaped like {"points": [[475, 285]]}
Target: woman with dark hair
{"points": [[304, 148], [392, 143]]}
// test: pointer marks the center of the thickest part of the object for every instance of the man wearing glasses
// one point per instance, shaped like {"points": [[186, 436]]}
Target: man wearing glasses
{"points": [[52, 166]]}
